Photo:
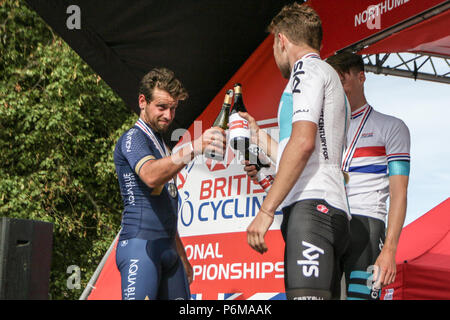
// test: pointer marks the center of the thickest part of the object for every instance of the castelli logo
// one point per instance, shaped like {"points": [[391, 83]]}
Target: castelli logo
{"points": [[322, 208], [214, 165]]}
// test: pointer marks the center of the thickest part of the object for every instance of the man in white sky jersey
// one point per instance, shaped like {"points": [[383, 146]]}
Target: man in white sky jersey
{"points": [[377, 160], [309, 185]]}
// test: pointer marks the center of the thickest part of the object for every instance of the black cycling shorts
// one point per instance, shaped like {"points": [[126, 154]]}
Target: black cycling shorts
{"points": [[317, 237], [367, 239]]}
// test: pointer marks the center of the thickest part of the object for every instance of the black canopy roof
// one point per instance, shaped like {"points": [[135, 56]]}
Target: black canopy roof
{"points": [[203, 41]]}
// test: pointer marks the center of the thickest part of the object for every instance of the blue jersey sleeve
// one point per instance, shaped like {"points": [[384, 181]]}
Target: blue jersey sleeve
{"points": [[136, 149]]}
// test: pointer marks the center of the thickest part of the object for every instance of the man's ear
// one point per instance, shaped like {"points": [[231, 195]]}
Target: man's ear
{"points": [[362, 76], [282, 41], [142, 101]]}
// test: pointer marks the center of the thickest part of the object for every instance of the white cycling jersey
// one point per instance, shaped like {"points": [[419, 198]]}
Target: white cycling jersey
{"points": [[314, 93], [374, 139]]}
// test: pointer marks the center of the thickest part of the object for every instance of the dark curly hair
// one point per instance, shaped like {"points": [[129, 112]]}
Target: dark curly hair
{"points": [[164, 79]]}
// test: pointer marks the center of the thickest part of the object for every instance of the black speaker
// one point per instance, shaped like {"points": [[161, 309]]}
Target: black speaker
{"points": [[25, 257]]}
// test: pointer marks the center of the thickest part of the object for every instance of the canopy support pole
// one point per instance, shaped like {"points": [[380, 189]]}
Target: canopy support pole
{"points": [[99, 269]]}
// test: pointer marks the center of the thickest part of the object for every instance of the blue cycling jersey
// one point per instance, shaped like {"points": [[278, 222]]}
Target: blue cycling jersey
{"points": [[149, 213]]}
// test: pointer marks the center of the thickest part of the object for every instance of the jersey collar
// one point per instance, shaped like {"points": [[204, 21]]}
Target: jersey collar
{"points": [[359, 112], [311, 55]]}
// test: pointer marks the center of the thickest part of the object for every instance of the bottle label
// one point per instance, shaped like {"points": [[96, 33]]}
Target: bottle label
{"points": [[239, 127], [265, 182]]}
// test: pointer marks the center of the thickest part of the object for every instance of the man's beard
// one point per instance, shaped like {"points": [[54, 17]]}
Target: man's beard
{"points": [[155, 125], [160, 128], [285, 71], [283, 67]]}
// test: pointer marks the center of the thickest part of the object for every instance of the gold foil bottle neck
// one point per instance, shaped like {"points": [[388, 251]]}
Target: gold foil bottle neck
{"points": [[238, 88], [228, 97]]}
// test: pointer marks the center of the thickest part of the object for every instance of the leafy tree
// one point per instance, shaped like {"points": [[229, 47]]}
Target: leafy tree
{"points": [[59, 123]]}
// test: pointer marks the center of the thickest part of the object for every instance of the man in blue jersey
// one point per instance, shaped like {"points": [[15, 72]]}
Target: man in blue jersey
{"points": [[150, 255], [309, 183], [377, 159]]}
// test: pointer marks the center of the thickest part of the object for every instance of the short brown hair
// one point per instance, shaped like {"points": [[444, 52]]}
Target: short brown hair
{"points": [[346, 61], [164, 79], [299, 23]]}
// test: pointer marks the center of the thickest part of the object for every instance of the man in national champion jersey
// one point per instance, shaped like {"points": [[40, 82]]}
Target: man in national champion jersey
{"points": [[309, 183], [150, 255], [378, 162]]}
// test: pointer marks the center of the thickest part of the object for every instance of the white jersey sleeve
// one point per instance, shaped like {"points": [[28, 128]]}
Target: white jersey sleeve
{"points": [[398, 142], [308, 85]]}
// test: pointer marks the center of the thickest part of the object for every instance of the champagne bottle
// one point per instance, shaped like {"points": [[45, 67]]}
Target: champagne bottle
{"points": [[240, 140], [265, 180], [239, 127], [252, 154], [221, 122], [224, 114], [263, 176]]}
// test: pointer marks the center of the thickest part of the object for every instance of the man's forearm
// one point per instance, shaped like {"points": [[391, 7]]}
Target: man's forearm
{"points": [[267, 145], [397, 211], [158, 172], [293, 161]]}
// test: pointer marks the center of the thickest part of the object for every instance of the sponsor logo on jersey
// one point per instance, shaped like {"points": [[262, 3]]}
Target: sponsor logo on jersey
{"points": [[367, 135], [128, 139], [130, 183], [300, 111], [297, 72], [323, 139], [310, 266]]}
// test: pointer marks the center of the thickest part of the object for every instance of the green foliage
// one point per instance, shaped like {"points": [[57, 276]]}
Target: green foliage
{"points": [[58, 126]]}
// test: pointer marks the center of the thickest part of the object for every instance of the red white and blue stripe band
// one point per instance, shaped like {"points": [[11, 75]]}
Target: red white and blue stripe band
{"points": [[398, 156], [352, 147], [311, 55], [162, 149]]}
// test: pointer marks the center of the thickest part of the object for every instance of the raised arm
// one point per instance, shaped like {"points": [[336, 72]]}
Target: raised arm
{"points": [[261, 138], [157, 172]]}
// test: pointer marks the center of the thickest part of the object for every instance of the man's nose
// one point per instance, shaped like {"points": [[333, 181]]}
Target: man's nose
{"points": [[168, 114]]}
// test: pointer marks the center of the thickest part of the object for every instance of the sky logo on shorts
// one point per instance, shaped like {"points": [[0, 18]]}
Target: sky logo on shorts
{"points": [[311, 263], [322, 208]]}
